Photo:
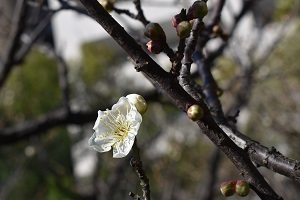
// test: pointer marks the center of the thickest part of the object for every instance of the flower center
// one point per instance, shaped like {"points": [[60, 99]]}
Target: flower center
{"points": [[117, 123]]}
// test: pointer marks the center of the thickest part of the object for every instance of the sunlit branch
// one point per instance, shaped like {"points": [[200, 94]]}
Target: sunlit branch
{"points": [[137, 165], [182, 99], [185, 78]]}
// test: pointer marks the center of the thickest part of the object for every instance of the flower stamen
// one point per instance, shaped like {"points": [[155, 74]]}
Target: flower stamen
{"points": [[116, 128]]}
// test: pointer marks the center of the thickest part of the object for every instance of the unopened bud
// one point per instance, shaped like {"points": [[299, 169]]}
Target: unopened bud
{"points": [[195, 112], [184, 29], [139, 102], [154, 46], [179, 18], [216, 30], [219, 92], [108, 5], [176, 20], [228, 188], [155, 32], [242, 188], [197, 10]]}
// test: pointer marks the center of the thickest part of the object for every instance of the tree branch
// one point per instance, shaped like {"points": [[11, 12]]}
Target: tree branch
{"points": [[43, 123], [137, 164], [16, 30], [182, 99]]}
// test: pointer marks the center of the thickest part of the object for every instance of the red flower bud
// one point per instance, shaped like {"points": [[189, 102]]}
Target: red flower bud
{"points": [[197, 10], [242, 188], [217, 30], [184, 29], [155, 32], [195, 112], [176, 20], [228, 188], [155, 46]]}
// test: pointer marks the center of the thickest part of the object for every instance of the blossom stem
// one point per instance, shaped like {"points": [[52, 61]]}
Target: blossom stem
{"points": [[137, 164]]}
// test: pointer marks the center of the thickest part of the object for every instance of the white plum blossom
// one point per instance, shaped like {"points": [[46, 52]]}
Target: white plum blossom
{"points": [[116, 128]]}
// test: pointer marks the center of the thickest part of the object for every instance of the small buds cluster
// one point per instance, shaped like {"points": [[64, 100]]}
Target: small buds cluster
{"points": [[195, 112], [182, 25], [240, 187], [158, 37], [197, 10], [183, 22], [108, 5]]}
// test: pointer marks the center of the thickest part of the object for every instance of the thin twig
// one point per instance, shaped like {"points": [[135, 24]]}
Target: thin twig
{"points": [[140, 15], [137, 165], [184, 78]]}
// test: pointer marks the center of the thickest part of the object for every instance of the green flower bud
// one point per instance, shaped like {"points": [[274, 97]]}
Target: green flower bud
{"points": [[228, 188], [108, 5], [195, 112], [139, 102], [197, 10], [184, 29], [155, 32], [155, 47], [242, 188], [219, 92]]}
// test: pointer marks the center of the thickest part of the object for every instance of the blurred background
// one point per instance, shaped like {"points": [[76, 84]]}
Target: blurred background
{"points": [[58, 67]]}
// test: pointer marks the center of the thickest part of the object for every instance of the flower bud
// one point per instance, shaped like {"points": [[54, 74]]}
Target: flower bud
{"points": [[242, 188], [197, 10], [179, 18], [195, 112], [219, 92], [108, 5], [184, 29], [228, 188], [155, 32], [155, 46], [138, 101], [217, 30], [176, 20]]}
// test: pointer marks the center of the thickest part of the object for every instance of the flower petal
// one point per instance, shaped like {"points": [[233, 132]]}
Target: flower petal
{"points": [[97, 123], [102, 144], [123, 147], [123, 105]]}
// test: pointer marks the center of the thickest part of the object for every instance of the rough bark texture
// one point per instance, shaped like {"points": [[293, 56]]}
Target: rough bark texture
{"points": [[170, 85]]}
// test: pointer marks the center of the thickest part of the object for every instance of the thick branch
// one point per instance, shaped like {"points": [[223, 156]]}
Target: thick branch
{"points": [[182, 99], [259, 154], [43, 123]]}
